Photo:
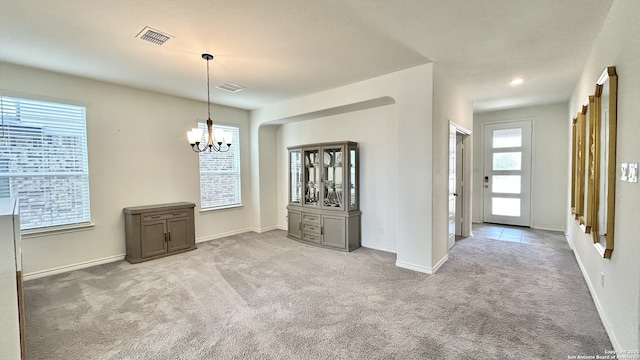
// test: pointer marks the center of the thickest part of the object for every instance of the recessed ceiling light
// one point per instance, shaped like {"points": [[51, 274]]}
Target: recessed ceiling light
{"points": [[516, 81]]}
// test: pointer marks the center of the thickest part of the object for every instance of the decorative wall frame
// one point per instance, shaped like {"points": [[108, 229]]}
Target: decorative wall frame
{"points": [[578, 165], [591, 128], [606, 98], [574, 160]]}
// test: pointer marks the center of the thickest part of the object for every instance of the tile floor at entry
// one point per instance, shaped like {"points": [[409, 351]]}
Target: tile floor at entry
{"points": [[520, 235]]}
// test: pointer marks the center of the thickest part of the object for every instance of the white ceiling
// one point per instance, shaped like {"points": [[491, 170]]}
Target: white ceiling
{"points": [[282, 49]]}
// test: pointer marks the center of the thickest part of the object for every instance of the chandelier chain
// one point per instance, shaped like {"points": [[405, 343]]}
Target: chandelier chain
{"points": [[208, 92]]}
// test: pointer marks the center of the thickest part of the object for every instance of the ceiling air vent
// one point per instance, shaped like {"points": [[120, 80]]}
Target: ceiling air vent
{"points": [[153, 36], [230, 87]]}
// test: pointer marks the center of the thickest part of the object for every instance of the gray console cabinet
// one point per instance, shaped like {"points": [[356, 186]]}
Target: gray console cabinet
{"points": [[158, 230], [323, 207]]}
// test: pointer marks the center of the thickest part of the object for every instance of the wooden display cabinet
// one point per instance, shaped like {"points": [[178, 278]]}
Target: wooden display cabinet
{"points": [[323, 205]]}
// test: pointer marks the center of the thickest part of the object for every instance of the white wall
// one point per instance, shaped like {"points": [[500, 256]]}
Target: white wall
{"points": [[549, 165], [617, 45], [449, 105], [138, 155], [375, 131], [412, 91]]}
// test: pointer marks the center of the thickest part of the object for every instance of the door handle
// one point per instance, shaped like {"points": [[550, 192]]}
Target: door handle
{"points": [[169, 236], [165, 237]]}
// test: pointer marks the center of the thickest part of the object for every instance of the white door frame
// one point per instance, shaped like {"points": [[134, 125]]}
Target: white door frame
{"points": [[467, 193], [483, 146]]}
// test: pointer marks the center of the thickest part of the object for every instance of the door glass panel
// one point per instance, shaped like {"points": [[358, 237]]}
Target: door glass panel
{"points": [[296, 176], [312, 175], [507, 138], [332, 182], [507, 161], [505, 184], [505, 206], [353, 204]]}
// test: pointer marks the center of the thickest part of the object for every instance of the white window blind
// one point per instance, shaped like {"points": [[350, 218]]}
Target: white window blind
{"points": [[43, 162], [220, 173]]}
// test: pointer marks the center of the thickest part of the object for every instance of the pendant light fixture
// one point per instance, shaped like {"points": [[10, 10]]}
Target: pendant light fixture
{"points": [[214, 138]]}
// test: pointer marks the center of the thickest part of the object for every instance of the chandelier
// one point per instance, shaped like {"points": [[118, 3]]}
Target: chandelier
{"points": [[214, 138]]}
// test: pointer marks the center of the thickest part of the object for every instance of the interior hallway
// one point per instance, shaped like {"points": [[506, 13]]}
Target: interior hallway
{"points": [[519, 234]]}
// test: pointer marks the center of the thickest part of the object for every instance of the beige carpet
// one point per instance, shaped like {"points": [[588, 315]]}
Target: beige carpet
{"points": [[263, 296]]}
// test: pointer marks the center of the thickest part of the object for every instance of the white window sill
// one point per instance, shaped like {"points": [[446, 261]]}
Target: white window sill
{"points": [[230, 207], [55, 230]]}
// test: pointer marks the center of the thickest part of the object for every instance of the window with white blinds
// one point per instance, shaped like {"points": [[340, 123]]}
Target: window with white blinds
{"points": [[43, 162], [220, 173]]}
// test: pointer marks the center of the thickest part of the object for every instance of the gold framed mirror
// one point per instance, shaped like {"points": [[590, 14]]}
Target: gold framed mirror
{"points": [[574, 160], [591, 130], [578, 185], [606, 99]]}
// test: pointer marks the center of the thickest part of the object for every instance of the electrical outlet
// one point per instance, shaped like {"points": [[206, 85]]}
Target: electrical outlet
{"points": [[380, 230], [601, 279]]}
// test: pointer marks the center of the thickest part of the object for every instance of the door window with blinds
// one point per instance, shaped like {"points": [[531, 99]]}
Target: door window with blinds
{"points": [[220, 174], [43, 162]]}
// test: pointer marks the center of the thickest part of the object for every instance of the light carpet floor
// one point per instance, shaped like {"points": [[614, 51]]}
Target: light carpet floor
{"points": [[263, 296]]}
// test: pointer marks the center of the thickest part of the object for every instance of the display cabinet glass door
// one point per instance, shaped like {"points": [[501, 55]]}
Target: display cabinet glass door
{"points": [[333, 177], [312, 172], [353, 191], [295, 176]]}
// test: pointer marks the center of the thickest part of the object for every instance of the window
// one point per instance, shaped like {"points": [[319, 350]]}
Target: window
{"points": [[43, 162], [220, 174]]}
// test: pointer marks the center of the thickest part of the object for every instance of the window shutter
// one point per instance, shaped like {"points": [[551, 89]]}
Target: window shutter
{"points": [[43, 161], [220, 173]]}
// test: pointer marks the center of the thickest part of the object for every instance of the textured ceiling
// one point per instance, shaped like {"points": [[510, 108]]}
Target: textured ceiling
{"points": [[281, 49]]}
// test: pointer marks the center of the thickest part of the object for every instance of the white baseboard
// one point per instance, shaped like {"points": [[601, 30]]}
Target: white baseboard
{"points": [[551, 228], [614, 342], [420, 268], [236, 232], [67, 268], [378, 247], [268, 228], [221, 235], [440, 263]]}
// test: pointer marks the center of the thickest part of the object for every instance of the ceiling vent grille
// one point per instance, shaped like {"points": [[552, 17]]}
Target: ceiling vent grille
{"points": [[153, 36], [230, 87]]}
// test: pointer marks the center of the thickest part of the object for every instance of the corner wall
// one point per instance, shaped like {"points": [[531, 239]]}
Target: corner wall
{"points": [[412, 91], [449, 105], [618, 301]]}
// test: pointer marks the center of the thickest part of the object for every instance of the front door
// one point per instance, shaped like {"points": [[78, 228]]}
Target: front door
{"points": [[507, 173]]}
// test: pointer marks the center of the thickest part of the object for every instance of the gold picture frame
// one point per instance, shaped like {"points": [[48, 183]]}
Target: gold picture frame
{"points": [[606, 98]]}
